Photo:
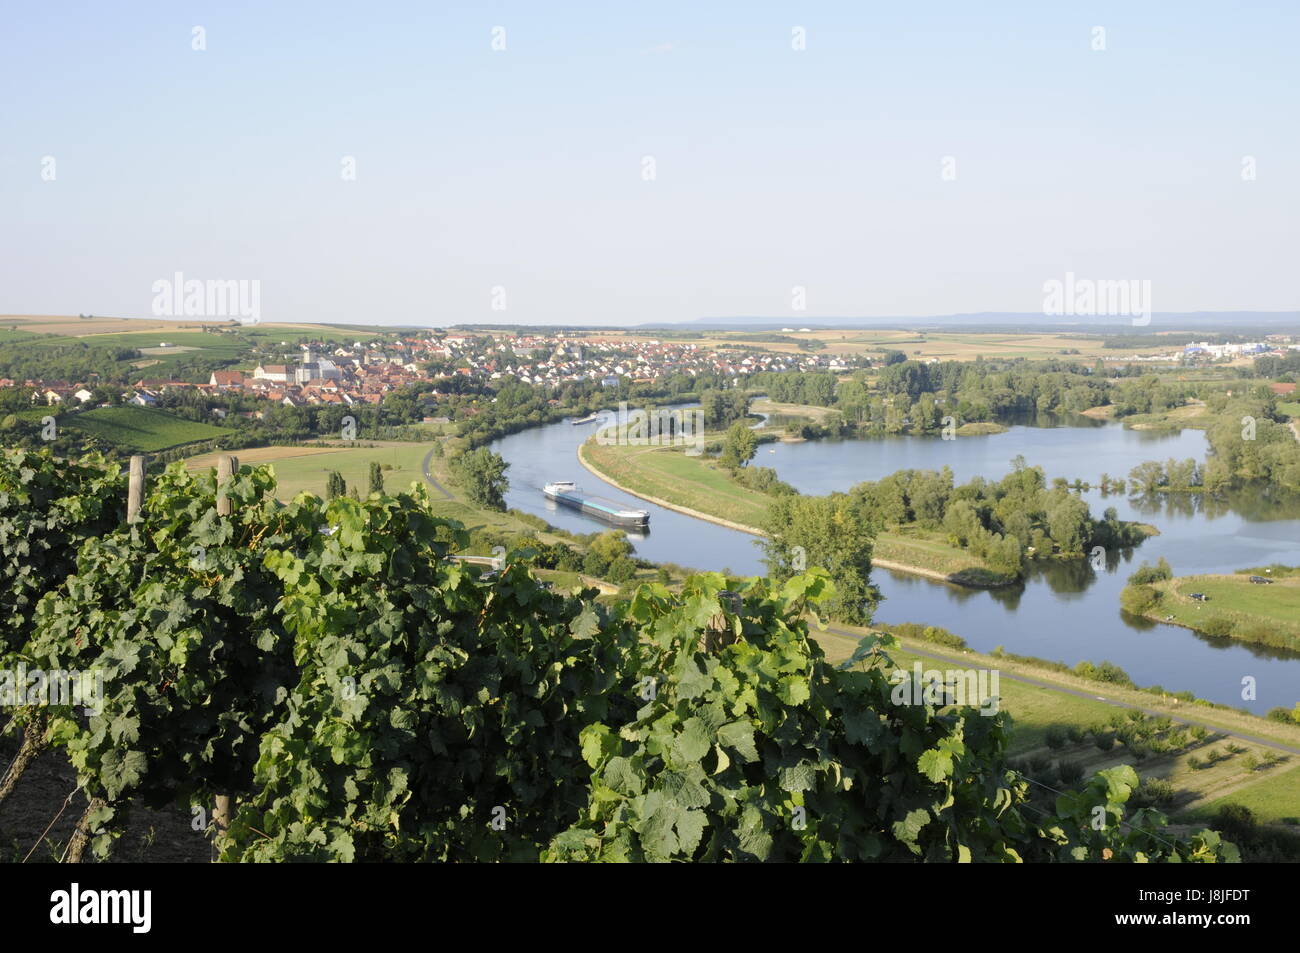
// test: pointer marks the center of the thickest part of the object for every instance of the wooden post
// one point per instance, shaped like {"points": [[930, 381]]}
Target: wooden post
{"points": [[135, 490], [81, 835], [227, 466], [718, 632]]}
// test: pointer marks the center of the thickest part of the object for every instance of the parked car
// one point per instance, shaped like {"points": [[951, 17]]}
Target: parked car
{"points": [[1261, 581], [1199, 596]]}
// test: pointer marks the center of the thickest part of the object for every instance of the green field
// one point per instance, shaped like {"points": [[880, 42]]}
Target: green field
{"points": [[1233, 597], [299, 468], [1289, 407], [140, 429]]}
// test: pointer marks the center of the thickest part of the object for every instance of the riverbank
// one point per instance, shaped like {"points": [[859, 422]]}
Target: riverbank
{"points": [[668, 479], [1236, 608]]}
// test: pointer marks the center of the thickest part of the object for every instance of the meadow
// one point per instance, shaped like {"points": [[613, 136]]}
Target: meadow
{"points": [[1233, 597]]}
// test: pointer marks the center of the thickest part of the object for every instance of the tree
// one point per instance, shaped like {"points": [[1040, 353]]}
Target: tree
{"points": [[335, 485], [376, 477], [1148, 475], [482, 474], [825, 531], [611, 545], [738, 446]]}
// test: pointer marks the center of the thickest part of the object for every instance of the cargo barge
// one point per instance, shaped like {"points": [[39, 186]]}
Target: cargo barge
{"points": [[570, 494]]}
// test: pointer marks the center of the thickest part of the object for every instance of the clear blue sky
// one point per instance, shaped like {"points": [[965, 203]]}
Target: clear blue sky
{"points": [[523, 168]]}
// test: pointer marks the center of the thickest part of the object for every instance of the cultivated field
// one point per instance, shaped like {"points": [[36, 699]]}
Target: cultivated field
{"points": [[140, 429], [300, 467]]}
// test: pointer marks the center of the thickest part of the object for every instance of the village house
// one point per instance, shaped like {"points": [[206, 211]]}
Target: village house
{"points": [[226, 379]]}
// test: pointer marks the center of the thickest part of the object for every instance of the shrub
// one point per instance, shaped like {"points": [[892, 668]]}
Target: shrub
{"points": [[1055, 737], [1104, 740], [1251, 762], [1284, 715], [1235, 822], [1149, 574], [1199, 732], [1039, 765], [1076, 733], [1218, 625], [1070, 771], [1195, 763], [1139, 600], [1152, 792]]}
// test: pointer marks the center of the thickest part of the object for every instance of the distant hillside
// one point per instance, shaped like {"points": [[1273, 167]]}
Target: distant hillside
{"points": [[140, 429]]}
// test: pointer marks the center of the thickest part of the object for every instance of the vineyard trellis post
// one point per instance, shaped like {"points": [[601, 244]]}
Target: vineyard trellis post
{"points": [[227, 467], [134, 501], [719, 633]]}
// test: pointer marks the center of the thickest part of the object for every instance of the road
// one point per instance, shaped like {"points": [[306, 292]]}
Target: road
{"points": [[1081, 694], [429, 476]]}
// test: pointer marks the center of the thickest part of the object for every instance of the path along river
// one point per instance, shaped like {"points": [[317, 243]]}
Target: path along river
{"points": [[1065, 611]]}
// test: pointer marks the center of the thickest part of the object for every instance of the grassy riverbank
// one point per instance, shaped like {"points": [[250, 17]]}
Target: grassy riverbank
{"points": [[1236, 607], [696, 486]]}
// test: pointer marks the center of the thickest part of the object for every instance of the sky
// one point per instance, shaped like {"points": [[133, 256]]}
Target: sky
{"points": [[623, 163]]}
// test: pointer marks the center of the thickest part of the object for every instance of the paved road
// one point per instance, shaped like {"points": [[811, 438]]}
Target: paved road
{"points": [[429, 476], [1080, 694]]}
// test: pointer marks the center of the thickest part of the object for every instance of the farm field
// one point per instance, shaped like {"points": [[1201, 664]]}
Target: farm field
{"points": [[141, 429], [943, 345], [103, 329], [305, 467]]}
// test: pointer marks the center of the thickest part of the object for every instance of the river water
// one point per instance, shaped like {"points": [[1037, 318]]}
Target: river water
{"points": [[1065, 611]]}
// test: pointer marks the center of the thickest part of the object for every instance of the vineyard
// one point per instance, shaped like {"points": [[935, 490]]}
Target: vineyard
{"points": [[326, 682]]}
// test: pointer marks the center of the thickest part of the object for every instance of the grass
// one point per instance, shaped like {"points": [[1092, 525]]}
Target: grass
{"points": [[1272, 793], [299, 468], [1192, 415], [1274, 796], [695, 483], [913, 546], [1289, 407], [671, 475], [141, 429], [1233, 597]]}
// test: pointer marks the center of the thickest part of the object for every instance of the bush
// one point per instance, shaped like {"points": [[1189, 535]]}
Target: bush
{"points": [[1284, 715], [1149, 574], [1195, 763], [1139, 600], [1199, 732], [1153, 792], [1039, 766], [1070, 771], [1103, 740], [1055, 737], [1076, 733], [1218, 625], [1251, 762], [1235, 822], [621, 570]]}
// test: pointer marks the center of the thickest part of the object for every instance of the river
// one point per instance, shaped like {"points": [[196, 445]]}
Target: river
{"points": [[1064, 611]]}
